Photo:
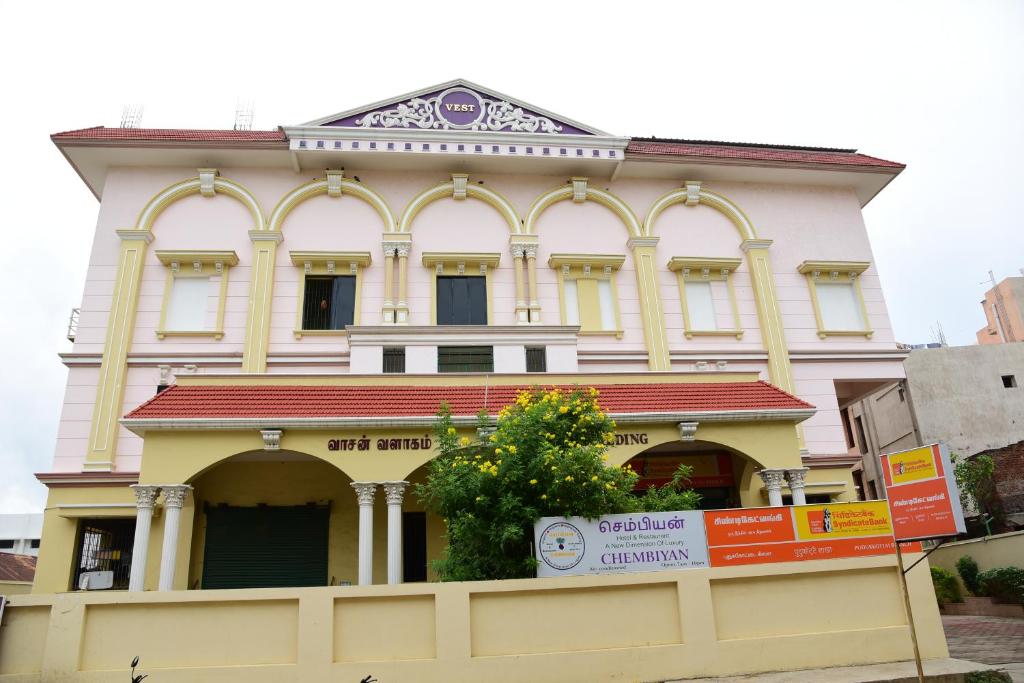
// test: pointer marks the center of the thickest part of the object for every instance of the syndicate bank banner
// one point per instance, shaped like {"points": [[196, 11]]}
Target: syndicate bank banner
{"points": [[795, 533], [923, 498], [653, 541]]}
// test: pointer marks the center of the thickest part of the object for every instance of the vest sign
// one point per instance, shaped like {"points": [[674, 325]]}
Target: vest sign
{"points": [[924, 501], [652, 541]]}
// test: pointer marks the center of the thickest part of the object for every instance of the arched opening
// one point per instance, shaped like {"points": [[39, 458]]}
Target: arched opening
{"points": [[721, 475], [273, 519]]}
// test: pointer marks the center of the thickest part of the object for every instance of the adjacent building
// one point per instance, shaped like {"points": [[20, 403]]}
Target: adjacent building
{"points": [[271, 320], [20, 533], [1004, 312]]}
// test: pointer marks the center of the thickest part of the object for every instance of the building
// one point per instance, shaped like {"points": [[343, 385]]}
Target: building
{"points": [[969, 397], [272, 318], [1004, 312], [16, 572], [20, 534]]}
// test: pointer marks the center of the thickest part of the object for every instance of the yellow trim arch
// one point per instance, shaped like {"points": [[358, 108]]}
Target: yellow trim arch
{"points": [[319, 187], [708, 198], [606, 199], [484, 194], [190, 186]]}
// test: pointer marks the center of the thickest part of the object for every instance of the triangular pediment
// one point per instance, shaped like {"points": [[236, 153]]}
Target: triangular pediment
{"points": [[457, 105]]}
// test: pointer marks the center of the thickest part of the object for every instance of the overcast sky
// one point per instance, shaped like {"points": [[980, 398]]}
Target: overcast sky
{"points": [[936, 85]]}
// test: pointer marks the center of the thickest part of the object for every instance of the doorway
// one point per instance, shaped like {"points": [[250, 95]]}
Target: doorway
{"points": [[414, 547]]}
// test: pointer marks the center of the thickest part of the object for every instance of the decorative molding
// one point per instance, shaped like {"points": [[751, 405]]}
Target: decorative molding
{"points": [[334, 182], [773, 479], [135, 234], [271, 439], [207, 176], [797, 477], [327, 258], [265, 236], [688, 263], [365, 491], [459, 182], [850, 268], [692, 192], [198, 259], [748, 244], [145, 495], [394, 491], [635, 242], [688, 431], [586, 261], [439, 258], [579, 189], [175, 494]]}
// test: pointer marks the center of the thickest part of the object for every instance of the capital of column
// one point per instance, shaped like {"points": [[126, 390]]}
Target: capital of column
{"points": [[174, 494], [748, 244], [394, 491], [390, 248], [530, 250], [518, 250], [365, 491], [773, 479], [266, 236], [145, 495], [797, 477]]}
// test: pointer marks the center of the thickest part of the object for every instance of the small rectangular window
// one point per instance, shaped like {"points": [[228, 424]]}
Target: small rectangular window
{"points": [[861, 436], [34, 543], [104, 545], [536, 359], [465, 359], [188, 303], [840, 308], [844, 415], [461, 300], [394, 359], [1009, 381], [700, 306], [6, 544], [329, 302]]}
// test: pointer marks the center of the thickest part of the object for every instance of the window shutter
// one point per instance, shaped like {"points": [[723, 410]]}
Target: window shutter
{"points": [[461, 300], [589, 303], [343, 301], [477, 291], [186, 309], [607, 302], [572, 305], [700, 307], [840, 309]]}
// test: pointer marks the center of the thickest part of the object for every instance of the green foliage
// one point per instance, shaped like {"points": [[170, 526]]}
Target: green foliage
{"points": [[988, 677], [967, 568], [946, 587], [1005, 584], [974, 479], [546, 457]]}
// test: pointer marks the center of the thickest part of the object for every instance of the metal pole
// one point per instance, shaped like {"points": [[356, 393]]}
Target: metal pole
{"points": [[910, 614]]}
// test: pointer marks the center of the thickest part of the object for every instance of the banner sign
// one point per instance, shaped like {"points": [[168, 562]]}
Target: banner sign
{"points": [[652, 541], [923, 498], [803, 532]]}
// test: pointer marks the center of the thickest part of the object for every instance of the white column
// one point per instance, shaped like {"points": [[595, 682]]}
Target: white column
{"points": [[174, 498], [365, 491], [773, 482], [145, 498], [796, 484], [394, 491]]}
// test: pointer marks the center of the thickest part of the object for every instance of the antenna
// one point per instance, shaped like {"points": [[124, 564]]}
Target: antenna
{"points": [[131, 115], [243, 114]]}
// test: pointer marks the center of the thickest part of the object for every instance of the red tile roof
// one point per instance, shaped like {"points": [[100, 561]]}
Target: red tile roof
{"points": [[742, 151], [17, 567], [103, 134], [191, 402]]}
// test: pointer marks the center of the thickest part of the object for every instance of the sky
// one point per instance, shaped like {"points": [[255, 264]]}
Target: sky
{"points": [[936, 85]]}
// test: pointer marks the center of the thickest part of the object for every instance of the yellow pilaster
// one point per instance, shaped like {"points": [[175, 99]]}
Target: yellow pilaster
{"points": [[261, 291], [120, 327], [651, 309]]}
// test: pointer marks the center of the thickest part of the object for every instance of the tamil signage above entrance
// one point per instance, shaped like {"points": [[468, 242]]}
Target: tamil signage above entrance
{"points": [[923, 497], [620, 543]]}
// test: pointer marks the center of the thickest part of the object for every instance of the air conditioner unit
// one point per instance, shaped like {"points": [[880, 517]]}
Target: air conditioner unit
{"points": [[95, 581]]}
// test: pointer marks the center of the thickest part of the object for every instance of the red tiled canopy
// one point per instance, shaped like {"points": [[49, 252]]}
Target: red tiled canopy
{"points": [[254, 402], [17, 567], [102, 133]]}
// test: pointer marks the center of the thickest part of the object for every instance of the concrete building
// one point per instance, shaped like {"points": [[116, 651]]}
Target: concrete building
{"points": [[20, 534], [1004, 312], [970, 397]]}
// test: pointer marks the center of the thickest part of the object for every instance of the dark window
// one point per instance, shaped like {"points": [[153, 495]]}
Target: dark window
{"points": [[6, 545], [536, 359], [394, 359], [903, 395], [104, 545], [461, 300], [862, 439], [160, 388], [812, 499], [329, 302], [465, 359], [1009, 381], [414, 546], [34, 543], [844, 415]]}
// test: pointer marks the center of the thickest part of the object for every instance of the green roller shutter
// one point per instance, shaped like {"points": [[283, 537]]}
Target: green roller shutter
{"points": [[264, 547]]}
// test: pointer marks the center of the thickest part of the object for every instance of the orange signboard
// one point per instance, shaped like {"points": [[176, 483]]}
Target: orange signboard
{"points": [[802, 532], [922, 495]]}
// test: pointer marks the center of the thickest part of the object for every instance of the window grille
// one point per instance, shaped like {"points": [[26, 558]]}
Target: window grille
{"points": [[536, 359], [329, 302], [465, 359], [105, 545], [394, 359]]}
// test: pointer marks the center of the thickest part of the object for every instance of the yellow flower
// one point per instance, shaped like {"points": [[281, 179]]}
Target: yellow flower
{"points": [[563, 410], [451, 430], [604, 457], [609, 487], [533, 482], [494, 437], [464, 441], [512, 449], [479, 498], [497, 451], [593, 478], [544, 496], [568, 477]]}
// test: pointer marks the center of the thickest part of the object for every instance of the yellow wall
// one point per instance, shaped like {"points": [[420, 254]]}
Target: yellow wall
{"points": [[15, 587], [644, 626]]}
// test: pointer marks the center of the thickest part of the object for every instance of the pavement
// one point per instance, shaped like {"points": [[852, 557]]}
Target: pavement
{"points": [[989, 640]]}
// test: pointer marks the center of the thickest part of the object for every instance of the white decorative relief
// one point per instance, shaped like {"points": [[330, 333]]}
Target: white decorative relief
{"points": [[330, 267], [425, 113], [206, 181], [459, 183], [460, 268], [692, 192], [687, 431], [579, 190], [175, 267], [218, 267], [271, 439], [334, 179]]}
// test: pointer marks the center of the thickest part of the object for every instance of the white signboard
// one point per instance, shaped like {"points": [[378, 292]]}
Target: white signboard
{"points": [[642, 542]]}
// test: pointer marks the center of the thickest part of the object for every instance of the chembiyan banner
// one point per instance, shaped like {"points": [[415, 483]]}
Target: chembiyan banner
{"points": [[640, 542]]}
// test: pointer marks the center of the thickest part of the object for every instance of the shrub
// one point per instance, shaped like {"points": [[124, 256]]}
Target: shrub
{"points": [[967, 568], [1004, 584], [988, 677], [545, 457], [946, 587]]}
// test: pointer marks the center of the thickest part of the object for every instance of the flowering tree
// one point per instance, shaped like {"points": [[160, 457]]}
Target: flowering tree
{"points": [[545, 457]]}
